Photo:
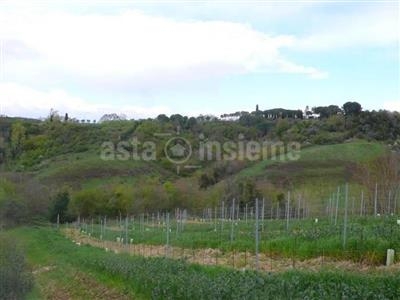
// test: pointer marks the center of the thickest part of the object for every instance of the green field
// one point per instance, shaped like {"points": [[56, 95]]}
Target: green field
{"points": [[319, 160], [63, 270], [365, 240]]}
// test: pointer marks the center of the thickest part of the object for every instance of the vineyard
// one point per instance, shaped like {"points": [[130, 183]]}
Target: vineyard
{"points": [[367, 239], [164, 278], [253, 236], [199, 150], [292, 249]]}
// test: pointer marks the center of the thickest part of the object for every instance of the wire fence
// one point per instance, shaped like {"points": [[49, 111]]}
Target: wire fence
{"points": [[261, 234]]}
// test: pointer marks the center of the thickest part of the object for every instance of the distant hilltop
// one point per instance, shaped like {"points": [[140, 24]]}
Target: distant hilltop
{"points": [[313, 113]]}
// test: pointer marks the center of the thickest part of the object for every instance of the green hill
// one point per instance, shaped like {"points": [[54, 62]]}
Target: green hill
{"points": [[59, 156]]}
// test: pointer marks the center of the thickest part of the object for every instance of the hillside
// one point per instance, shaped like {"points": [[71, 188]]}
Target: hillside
{"points": [[124, 165]]}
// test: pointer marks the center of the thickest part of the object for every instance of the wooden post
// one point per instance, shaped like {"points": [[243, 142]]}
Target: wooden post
{"points": [[256, 236], [104, 227], [298, 206], [376, 200], [215, 219], [272, 211], [345, 216], [288, 211], [245, 213], [167, 242], [330, 209], [222, 216], [337, 205], [262, 215], [362, 204], [232, 219], [277, 211], [389, 257], [126, 230]]}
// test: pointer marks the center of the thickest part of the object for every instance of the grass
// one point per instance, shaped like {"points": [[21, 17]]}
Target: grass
{"points": [[367, 238], [360, 151], [316, 159], [89, 166], [318, 171], [83, 272], [59, 275]]}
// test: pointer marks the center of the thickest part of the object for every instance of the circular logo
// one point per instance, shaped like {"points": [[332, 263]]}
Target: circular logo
{"points": [[178, 150]]}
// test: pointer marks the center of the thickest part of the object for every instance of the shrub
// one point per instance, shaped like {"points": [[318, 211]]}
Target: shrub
{"points": [[16, 280]]}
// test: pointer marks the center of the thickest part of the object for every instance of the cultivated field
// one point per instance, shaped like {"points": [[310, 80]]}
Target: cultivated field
{"points": [[64, 270]]}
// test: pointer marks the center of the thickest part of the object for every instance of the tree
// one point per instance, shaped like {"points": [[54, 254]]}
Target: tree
{"points": [[171, 195], [60, 208], [112, 117], [327, 111], [206, 180], [18, 133], [191, 123], [162, 118], [247, 191], [352, 108], [86, 202], [178, 120], [281, 127], [53, 116]]}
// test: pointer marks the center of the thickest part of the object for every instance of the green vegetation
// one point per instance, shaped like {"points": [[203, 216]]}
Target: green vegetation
{"points": [[58, 170], [99, 274], [54, 156], [317, 157], [16, 279], [367, 239]]}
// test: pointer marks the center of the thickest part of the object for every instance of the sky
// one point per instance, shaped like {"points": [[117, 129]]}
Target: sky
{"points": [[145, 58]]}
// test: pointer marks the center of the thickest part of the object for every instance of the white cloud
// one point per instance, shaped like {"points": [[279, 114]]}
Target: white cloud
{"points": [[135, 46], [49, 51], [392, 105], [374, 26], [24, 101], [289, 67]]}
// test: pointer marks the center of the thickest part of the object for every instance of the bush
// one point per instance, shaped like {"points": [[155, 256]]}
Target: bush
{"points": [[16, 280], [60, 208]]}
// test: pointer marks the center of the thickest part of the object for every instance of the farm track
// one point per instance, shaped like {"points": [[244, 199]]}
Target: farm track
{"points": [[237, 260]]}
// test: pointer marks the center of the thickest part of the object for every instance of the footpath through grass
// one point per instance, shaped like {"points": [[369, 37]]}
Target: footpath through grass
{"points": [[65, 270]]}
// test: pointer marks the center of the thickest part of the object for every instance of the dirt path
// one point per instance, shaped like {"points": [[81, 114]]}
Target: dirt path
{"points": [[74, 285], [238, 260]]}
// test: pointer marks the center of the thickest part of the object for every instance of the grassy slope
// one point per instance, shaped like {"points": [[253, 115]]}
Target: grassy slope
{"points": [[315, 175], [319, 157], [86, 167], [328, 162], [89, 273], [319, 169]]}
